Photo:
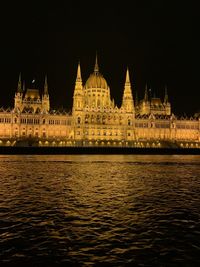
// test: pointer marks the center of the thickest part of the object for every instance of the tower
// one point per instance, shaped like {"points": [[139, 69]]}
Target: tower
{"points": [[78, 104], [78, 97], [45, 96], [19, 94], [127, 101]]}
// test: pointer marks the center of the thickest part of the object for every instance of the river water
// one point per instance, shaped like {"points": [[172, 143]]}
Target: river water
{"points": [[99, 210]]}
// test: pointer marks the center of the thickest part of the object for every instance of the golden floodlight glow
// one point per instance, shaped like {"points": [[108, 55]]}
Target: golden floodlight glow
{"points": [[95, 119]]}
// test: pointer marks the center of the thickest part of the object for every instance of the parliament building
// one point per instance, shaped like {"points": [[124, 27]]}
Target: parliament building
{"points": [[95, 119]]}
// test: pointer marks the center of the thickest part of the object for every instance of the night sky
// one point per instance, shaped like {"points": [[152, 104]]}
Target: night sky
{"points": [[158, 40]]}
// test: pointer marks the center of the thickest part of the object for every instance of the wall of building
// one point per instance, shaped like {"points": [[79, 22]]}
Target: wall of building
{"points": [[113, 127]]}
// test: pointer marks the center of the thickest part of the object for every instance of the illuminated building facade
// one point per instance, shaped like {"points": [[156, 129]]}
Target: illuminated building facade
{"points": [[95, 119]]}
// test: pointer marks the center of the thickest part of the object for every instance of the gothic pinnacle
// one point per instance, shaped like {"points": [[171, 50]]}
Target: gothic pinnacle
{"points": [[45, 86], [78, 77], [19, 87]]}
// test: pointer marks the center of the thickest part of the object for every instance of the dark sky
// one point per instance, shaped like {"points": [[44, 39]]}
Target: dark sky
{"points": [[158, 40]]}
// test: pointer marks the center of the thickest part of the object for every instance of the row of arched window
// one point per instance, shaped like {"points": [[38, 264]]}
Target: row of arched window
{"points": [[104, 119], [5, 120]]}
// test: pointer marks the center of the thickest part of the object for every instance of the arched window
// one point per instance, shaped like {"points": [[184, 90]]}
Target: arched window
{"points": [[129, 122], [79, 120], [98, 118], [37, 110], [86, 118], [104, 119]]}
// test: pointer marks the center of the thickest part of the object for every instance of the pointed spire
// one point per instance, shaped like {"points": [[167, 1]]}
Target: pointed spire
{"points": [[19, 86], [146, 93], [45, 86], [78, 84], [78, 76], [127, 101], [127, 86], [96, 67], [166, 96], [127, 76]]}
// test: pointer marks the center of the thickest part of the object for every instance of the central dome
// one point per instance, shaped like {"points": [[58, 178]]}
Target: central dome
{"points": [[96, 79], [97, 91]]}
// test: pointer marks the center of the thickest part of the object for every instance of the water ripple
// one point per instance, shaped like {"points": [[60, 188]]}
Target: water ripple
{"points": [[99, 210]]}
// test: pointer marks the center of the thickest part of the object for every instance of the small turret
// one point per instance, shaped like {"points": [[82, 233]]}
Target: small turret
{"points": [[45, 97], [166, 103], [19, 86], [144, 105], [19, 94], [46, 86]]}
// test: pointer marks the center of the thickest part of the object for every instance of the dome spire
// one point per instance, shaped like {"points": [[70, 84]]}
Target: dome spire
{"points": [[96, 67], [127, 76]]}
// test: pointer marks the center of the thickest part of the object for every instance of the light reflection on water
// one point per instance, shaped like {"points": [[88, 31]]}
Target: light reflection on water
{"points": [[90, 210]]}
